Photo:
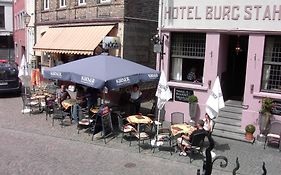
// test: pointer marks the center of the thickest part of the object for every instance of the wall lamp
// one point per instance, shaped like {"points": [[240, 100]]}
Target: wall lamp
{"points": [[209, 84], [26, 18], [251, 88]]}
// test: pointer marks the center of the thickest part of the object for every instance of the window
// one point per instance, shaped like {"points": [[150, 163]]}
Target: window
{"points": [[81, 2], [187, 57], [62, 3], [2, 17], [46, 4], [271, 77]]}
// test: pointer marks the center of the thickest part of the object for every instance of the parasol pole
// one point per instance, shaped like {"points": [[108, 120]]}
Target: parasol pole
{"points": [[157, 126]]}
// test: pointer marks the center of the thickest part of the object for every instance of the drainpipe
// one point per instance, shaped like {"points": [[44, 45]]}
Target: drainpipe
{"points": [[160, 55]]}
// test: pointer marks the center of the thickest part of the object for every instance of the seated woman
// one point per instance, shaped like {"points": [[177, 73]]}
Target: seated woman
{"points": [[185, 140], [208, 123]]}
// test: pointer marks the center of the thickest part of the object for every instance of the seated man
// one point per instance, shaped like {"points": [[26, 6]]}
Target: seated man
{"points": [[185, 140], [62, 94]]}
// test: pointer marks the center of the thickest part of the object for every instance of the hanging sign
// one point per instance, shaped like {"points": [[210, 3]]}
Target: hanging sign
{"points": [[110, 42]]}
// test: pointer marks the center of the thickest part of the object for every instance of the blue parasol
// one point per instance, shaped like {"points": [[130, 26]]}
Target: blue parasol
{"points": [[102, 71]]}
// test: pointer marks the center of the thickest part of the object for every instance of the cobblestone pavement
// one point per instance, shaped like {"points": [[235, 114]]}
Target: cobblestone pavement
{"points": [[31, 145]]}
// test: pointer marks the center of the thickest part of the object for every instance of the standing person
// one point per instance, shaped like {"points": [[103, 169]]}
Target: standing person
{"points": [[185, 140], [208, 123], [135, 99], [62, 94]]}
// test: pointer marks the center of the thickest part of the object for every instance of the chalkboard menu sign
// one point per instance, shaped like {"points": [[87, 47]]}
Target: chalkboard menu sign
{"points": [[182, 94], [107, 127], [276, 108]]}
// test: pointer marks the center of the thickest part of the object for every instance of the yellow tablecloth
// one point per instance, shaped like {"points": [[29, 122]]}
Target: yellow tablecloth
{"points": [[182, 129], [138, 119], [94, 110], [68, 103]]}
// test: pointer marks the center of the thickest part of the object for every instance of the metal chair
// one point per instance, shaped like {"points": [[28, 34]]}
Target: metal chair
{"points": [[163, 138], [125, 128], [49, 107], [144, 132], [85, 121], [196, 144], [59, 114], [274, 135], [177, 118], [28, 103]]}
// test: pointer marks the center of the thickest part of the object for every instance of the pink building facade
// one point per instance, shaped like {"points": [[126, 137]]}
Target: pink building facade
{"points": [[19, 30], [238, 41]]}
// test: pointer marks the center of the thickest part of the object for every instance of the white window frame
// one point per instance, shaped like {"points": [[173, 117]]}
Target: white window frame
{"points": [[187, 53], [46, 4], [62, 3], [271, 77], [82, 3]]}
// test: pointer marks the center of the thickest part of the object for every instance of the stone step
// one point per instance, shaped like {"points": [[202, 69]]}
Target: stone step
{"points": [[228, 128], [233, 103], [231, 136], [225, 114], [231, 109], [228, 121]]}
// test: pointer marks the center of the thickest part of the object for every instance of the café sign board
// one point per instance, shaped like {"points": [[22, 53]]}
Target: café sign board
{"points": [[250, 15], [110, 42]]}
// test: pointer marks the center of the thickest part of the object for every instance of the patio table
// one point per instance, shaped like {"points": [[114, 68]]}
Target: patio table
{"points": [[139, 119], [183, 128], [69, 103]]}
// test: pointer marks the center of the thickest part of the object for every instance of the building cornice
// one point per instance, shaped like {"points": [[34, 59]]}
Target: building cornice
{"points": [[82, 21]]}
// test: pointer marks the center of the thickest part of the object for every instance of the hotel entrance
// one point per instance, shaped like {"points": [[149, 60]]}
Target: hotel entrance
{"points": [[234, 76]]}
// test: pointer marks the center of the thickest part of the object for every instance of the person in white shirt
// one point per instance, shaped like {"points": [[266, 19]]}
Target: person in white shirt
{"points": [[208, 123], [135, 99]]}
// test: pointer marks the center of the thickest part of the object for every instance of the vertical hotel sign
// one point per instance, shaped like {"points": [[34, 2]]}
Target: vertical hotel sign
{"points": [[251, 15]]}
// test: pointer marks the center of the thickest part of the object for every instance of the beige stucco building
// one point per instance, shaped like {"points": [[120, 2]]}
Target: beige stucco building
{"points": [[71, 29]]}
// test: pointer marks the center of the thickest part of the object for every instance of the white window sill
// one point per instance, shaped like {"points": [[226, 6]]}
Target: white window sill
{"points": [[188, 85]]}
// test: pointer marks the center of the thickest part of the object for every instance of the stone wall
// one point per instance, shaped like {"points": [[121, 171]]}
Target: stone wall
{"points": [[78, 13], [137, 42], [144, 9]]}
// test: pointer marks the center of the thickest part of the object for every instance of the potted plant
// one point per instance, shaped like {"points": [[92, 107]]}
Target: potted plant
{"points": [[265, 115], [192, 100], [250, 129]]}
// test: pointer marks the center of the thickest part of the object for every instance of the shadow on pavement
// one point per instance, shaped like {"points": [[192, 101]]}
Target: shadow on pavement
{"points": [[222, 147]]}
